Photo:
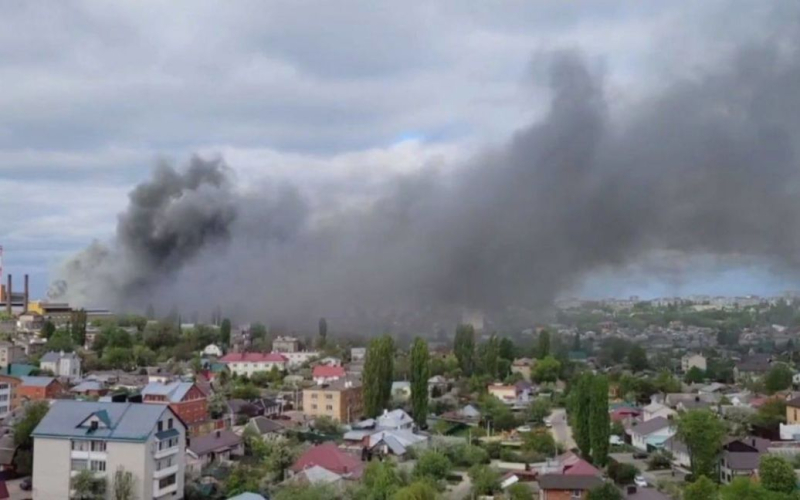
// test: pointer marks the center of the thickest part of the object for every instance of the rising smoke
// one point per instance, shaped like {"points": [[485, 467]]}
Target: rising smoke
{"points": [[708, 165]]}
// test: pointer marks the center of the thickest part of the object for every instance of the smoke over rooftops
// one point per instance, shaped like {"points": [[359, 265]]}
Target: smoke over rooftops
{"points": [[705, 166]]}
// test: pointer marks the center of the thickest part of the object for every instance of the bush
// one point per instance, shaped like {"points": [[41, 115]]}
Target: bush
{"points": [[494, 449], [658, 461], [469, 455], [433, 465], [622, 474]]}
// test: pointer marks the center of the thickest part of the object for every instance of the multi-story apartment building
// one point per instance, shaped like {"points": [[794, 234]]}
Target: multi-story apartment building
{"points": [[10, 353], [248, 363], [342, 400], [186, 399], [149, 441], [61, 364], [9, 395]]}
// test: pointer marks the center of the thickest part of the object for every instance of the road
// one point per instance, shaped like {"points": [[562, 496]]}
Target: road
{"points": [[561, 430]]}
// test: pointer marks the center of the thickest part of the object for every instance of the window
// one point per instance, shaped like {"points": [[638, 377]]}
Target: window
{"points": [[328, 407], [165, 462], [167, 444], [577, 494], [329, 396], [3, 397], [80, 445], [160, 426], [167, 481], [169, 424], [313, 407], [98, 446], [98, 466], [79, 464], [3, 386], [314, 395]]}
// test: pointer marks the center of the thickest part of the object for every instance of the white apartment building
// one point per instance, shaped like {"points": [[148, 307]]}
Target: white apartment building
{"points": [[149, 441], [62, 364], [248, 363], [690, 361]]}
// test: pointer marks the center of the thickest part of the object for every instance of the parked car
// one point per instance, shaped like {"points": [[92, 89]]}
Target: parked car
{"points": [[615, 440], [548, 422], [524, 428], [640, 481], [640, 455]]}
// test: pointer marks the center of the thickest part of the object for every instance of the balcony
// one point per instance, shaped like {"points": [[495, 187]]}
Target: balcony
{"points": [[166, 471], [167, 490]]}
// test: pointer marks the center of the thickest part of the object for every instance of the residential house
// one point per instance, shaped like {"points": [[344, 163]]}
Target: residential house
{"points": [[146, 440], [401, 390], [30, 322], [285, 344], [691, 360], [437, 385], [358, 354], [9, 394], [793, 411], [212, 350], [61, 364], [10, 353], [331, 458], [752, 367], [566, 487], [186, 400], [652, 433], [323, 374], [159, 375], [316, 476], [90, 388], [268, 429], [517, 394], [218, 446], [298, 358], [342, 400], [394, 442], [741, 457], [623, 413], [656, 410], [395, 419], [39, 388], [679, 452], [331, 361], [523, 367], [248, 363]]}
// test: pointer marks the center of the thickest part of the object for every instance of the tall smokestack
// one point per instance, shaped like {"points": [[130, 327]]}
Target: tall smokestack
{"points": [[27, 294], [9, 291]]}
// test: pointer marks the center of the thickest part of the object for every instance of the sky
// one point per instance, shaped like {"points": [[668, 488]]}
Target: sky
{"points": [[325, 95]]}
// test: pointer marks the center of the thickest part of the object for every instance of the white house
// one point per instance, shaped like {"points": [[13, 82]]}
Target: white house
{"points": [[395, 419], [690, 361], [651, 433], [358, 354], [297, 358], [680, 454], [147, 441], [62, 364], [655, 410], [248, 363], [212, 350]]}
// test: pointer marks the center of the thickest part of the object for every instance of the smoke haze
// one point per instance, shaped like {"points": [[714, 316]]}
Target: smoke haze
{"points": [[707, 164]]}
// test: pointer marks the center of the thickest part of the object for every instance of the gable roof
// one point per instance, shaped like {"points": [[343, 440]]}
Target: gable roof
{"points": [[216, 441], [254, 357], [651, 426], [86, 386], [565, 482], [323, 371], [174, 392], [37, 381], [330, 457], [264, 425], [125, 421], [54, 357], [394, 419]]}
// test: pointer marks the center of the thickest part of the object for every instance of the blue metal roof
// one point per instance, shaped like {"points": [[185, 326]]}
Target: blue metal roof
{"points": [[126, 421]]}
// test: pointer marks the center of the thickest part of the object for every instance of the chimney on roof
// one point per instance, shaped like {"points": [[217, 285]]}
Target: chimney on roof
{"points": [[8, 294], [27, 293]]}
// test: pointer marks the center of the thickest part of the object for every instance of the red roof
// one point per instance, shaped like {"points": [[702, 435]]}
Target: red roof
{"points": [[328, 371], [253, 357], [581, 468], [330, 457], [621, 414]]}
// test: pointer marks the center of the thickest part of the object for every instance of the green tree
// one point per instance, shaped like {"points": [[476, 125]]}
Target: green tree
{"points": [[48, 329], [381, 480], [78, 326], [61, 340], [771, 414], [539, 440], [124, 485], [543, 345], [743, 488], [327, 425], [519, 491], [279, 458], [118, 358], [777, 474], [546, 370], [582, 411], [600, 421], [507, 349], [240, 479], [702, 432], [485, 480], [305, 492], [702, 489], [87, 486], [34, 413], [418, 490], [432, 465], [378, 374], [489, 357], [538, 410], [420, 373], [605, 491], [225, 332], [694, 376], [464, 348], [322, 340], [778, 378], [637, 358]]}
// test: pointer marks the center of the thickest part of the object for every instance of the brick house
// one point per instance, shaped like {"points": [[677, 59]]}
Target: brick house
{"points": [[40, 388], [566, 487], [186, 399]]}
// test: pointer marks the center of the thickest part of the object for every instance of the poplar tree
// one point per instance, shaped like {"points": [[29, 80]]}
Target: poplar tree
{"points": [[378, 374], [582, 403], [464, 348], [600, 421], [420, 372]]}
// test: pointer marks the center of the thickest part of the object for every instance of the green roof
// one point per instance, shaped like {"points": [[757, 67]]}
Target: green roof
{"points": [[20, 370]]}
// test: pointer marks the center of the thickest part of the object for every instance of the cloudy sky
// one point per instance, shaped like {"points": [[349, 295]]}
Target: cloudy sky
{"points": [[321, 94]]}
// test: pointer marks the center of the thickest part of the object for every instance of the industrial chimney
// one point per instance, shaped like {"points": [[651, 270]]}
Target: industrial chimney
{"points": [[27, 294], [9, 292]]}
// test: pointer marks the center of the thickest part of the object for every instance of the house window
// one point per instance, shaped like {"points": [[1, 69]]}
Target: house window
{"points": [[314, 396], [80, 446], [169, 424], [164, 463], [98, 466], [313, 407], [329, 396], [160, 426], [3, 387], [98, 446], [167, 481], [328, 407], [79, 464], [577, 494]]}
